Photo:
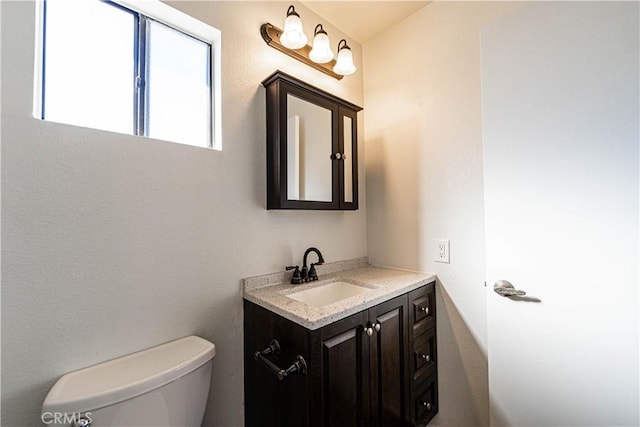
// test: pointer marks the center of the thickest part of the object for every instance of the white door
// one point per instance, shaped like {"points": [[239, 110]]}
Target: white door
{"points": [[560, 117]]}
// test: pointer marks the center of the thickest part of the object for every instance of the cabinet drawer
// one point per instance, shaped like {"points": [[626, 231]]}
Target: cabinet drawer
{"points": [[425, 404], [422, 309], [424, 355]]}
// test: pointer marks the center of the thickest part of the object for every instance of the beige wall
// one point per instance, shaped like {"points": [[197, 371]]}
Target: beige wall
{"points": [[423, 133], [113, 243]]}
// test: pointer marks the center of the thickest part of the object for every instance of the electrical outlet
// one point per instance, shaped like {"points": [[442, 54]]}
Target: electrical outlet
{"points": [[442, 250]]}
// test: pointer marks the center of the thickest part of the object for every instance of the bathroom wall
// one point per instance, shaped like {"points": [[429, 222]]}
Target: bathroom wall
{"points": [[113, 243], [424, 180]]}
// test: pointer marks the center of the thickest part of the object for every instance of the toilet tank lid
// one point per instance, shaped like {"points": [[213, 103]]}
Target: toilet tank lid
{"points": [[120, 379]]}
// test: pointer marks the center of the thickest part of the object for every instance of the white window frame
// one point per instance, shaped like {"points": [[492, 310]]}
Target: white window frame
{"points": [[171, 17]]}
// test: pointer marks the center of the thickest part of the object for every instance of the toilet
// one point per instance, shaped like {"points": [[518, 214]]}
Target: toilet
{"points": [[167, 385]]}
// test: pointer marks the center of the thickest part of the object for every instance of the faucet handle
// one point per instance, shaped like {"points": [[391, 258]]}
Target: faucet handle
{"points": [[296, 279], [313, 274]]}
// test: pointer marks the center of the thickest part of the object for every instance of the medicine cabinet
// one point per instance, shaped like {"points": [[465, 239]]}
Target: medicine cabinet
{"points": [[312, 147]]}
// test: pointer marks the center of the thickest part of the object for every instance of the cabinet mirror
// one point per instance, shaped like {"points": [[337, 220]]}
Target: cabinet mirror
{"points": [[311, 147], [309, 140]]}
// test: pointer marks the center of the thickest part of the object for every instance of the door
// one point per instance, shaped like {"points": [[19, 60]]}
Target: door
{"points": [[348, 146], [560, 122], [388, 350], [345, 372]]}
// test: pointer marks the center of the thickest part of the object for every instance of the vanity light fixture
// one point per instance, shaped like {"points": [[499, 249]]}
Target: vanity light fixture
{"points": [[344, 64], [293, 42], [321, 51], [293, 36]]}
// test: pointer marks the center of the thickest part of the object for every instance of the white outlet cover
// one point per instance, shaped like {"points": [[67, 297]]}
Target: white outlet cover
{"points": [[441, 250]]}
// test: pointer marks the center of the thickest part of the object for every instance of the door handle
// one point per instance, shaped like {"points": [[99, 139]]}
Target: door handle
{"points": [[506, 289]]}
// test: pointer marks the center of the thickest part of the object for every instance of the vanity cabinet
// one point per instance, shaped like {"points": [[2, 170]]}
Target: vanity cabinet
{"points": [[375, 367], [312, 147]]}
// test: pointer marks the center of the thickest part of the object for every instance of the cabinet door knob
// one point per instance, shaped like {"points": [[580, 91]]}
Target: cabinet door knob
{"points": [[377, 327], [369, 330], [425, 310], [336, 156], [425, 357], [427, 405]]}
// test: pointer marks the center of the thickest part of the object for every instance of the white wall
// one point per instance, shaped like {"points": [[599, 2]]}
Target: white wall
{"points": [[113, 243], [424, 179]]}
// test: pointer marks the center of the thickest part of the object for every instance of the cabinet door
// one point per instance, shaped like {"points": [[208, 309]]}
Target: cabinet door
{"points": [[345, 374], [348, 147], [388, 362]]}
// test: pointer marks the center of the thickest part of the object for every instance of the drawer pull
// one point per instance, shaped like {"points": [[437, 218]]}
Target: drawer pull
{"points": [[425, 357], [425, 310]]}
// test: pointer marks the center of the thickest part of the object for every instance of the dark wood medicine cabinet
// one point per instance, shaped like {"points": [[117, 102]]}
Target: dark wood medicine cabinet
{"points": [[312, 147]]}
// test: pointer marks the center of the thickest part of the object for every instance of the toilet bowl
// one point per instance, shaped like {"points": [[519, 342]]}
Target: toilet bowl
{"points": [[167, 385]]}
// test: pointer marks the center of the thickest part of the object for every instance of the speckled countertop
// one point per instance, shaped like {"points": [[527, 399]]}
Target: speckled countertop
{"points": [[270, 291]]}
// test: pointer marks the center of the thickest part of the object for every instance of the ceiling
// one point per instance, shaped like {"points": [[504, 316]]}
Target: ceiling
{"points": [[363, 20]]}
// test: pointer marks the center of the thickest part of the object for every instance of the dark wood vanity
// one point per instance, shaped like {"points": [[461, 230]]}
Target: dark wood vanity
{"points": [[374, 367], [312, 147]]}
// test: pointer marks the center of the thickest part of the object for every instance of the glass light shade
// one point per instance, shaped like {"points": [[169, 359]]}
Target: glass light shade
{"points": [[344, 63], [293, 35], [321, 52]]}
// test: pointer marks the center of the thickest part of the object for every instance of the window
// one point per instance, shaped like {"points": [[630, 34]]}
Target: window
{"points": [[113, 66]]}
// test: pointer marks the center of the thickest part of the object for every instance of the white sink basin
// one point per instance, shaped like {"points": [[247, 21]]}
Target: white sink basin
{"points": [[327, 294]]}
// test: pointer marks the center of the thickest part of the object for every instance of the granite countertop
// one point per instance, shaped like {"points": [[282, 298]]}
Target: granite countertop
{"points": [[270, 291]]}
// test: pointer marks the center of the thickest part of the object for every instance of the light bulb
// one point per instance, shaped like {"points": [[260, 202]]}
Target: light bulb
{"points": [[321, 51], [293, 35], [344, 63]]}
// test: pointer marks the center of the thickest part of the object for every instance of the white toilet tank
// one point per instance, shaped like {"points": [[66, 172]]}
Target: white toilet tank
{"points": [[162, 386]]}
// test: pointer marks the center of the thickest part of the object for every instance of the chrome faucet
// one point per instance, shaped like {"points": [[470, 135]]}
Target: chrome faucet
{"points": [[307, 274]]}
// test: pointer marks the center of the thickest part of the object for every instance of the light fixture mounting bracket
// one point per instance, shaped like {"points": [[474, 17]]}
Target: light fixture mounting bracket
{"points": [[271, 35]]}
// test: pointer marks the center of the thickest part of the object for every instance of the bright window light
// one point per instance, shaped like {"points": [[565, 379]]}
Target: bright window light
{"points": [[178, 86], [88, 73], [110, 66]]}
